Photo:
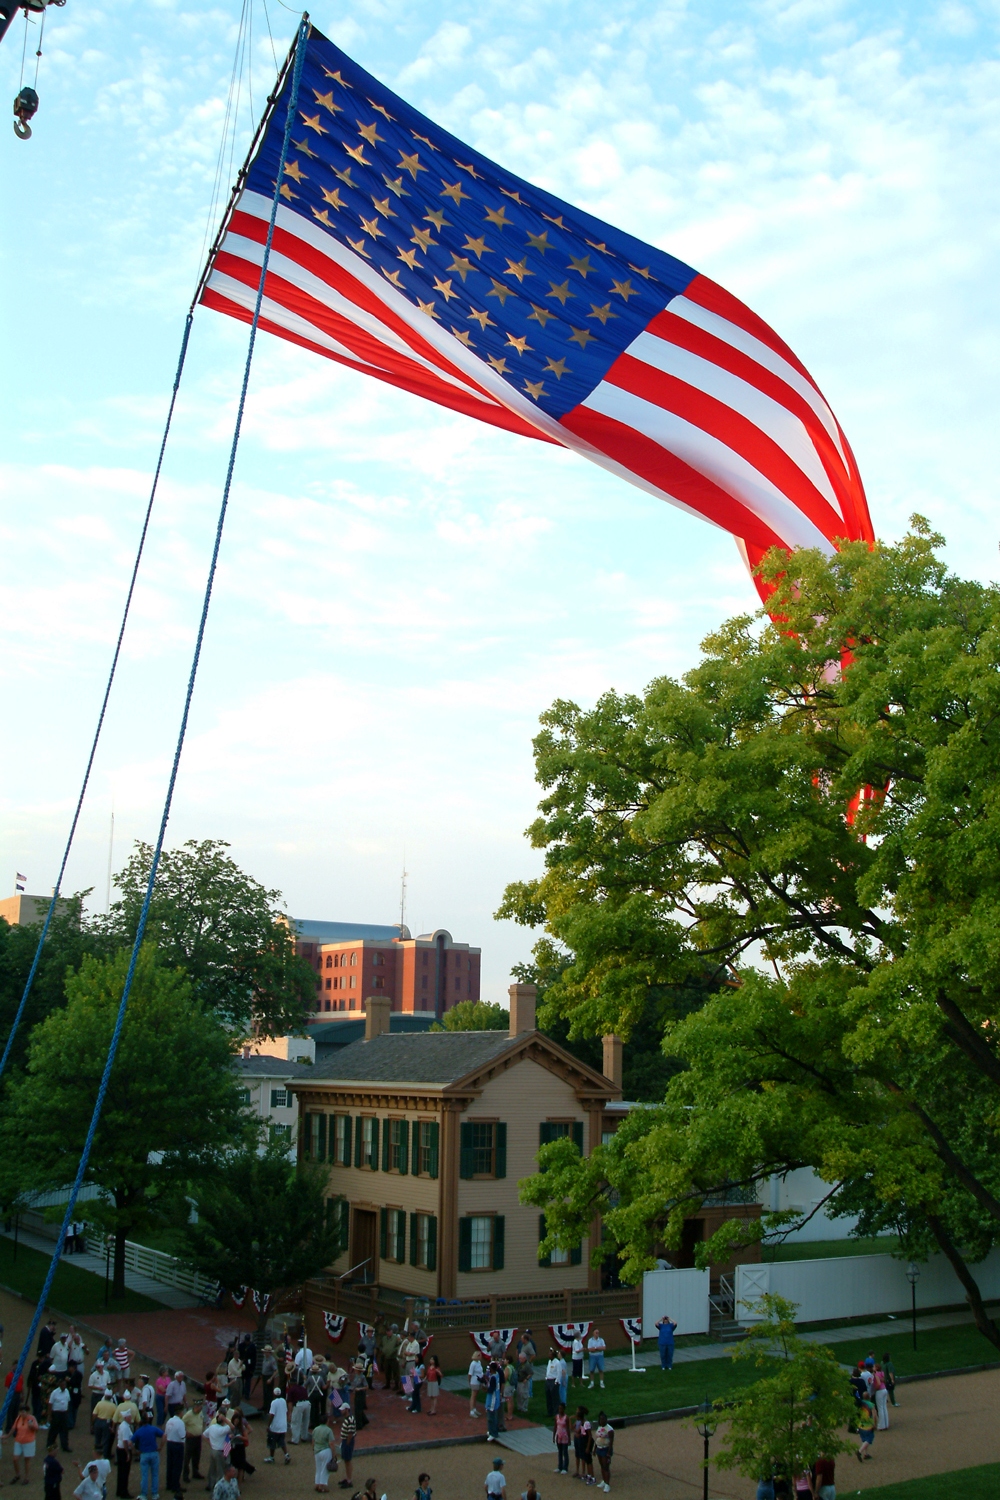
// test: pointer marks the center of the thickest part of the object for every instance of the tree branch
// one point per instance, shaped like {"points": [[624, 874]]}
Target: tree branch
{"points": [[962, 1032]]}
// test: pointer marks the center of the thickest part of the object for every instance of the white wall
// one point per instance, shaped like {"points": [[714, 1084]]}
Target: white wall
{"points": [[800, 1191], [857, 1286], [682, 1294]]}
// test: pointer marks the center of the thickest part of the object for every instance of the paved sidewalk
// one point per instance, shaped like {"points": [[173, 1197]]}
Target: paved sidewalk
{"points": [[170, 1296], [859, 1333]]}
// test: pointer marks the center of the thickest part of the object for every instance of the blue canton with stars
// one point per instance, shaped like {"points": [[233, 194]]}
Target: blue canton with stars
{"points": [[545, 293]]}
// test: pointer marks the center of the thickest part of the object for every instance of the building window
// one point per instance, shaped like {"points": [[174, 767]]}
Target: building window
{"points": [[369, 1143], [380, 983], [393, 1235], [328, 984], [557, 1257], [481, 1243], [425, 1148], [326, 1005], [342, 1140], [279, 1098], [329, 961], [554, 1130], [379, 958], [396, 1145], [319, 984], [280, 1132], [483, 1149], [354, 981], [244, 1096], [423, 1242], [354, 1004], [338, 1218], [354, 959]]}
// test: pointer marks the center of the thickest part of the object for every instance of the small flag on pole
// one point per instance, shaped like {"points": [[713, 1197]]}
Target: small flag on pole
{"points": [[20, 883]]}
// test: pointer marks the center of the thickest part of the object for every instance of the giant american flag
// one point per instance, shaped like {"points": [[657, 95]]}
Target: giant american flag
{"points": [[407, 255]]}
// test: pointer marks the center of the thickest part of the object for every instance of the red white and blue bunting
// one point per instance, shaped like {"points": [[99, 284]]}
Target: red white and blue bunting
{"points": [[485, 1338], [334, 1323], [565, 1333], [633, 1329], [261, 1301], [366, 1329], [239, 1295]]}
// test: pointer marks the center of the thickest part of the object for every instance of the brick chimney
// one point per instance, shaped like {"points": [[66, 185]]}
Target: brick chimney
{"points": [[377, 1008], [613, 1061], [522, 1008]]}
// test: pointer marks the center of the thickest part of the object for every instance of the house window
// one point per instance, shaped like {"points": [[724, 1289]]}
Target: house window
{"points": [[423, 1241], [425, 1148], [554, 1130], [396, 1144], [244, 1096], [280, 1132], [342, 1140], [279, 1098], [339, 1217], [393, 1236], [558, 1257], [369, 1143], [481, 1242], [483, 1149]]}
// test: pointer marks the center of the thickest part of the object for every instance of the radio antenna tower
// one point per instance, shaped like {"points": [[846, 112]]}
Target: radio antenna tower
{"points": [[402, 899]]}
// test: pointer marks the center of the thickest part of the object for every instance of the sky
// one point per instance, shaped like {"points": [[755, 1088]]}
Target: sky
{"points": [[402, 592]]}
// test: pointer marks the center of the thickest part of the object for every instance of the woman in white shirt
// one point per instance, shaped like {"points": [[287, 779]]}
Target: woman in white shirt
{"points": [[475, 1384]]}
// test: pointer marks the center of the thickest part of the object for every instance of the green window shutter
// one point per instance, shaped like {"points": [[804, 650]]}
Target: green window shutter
{"points": [[415, 1162], [500, 1153], [321, 1142], [498, 1238], [576, 1255], [385, 1146], [413, 1239], [465, 1153], [545, 1133], [404, 1145], [432, 1242], [347, 1140], [578, 1135], [383, 1233], [543, 1260], [358, 1133], [375, 1145], [465, 1244], [400, 1236], [435, 1135]]}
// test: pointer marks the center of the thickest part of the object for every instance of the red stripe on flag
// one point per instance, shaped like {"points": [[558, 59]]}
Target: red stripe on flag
{"points": [[708, 294], [677, 330], [740, 434], [658, 466], [417, 383]]}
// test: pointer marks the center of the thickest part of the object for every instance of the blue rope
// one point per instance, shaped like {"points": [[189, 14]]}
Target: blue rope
{"points": [[300, 49], [104, 703]]}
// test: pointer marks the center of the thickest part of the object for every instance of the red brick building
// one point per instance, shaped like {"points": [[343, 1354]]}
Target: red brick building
{"points": [[422, 976]]}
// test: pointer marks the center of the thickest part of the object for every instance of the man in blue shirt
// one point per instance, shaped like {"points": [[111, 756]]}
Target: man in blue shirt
{"points": [[665, 1338], [148, 1441]]}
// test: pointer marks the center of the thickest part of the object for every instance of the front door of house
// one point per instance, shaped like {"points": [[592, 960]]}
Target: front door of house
{"points": [[364, 1244]]}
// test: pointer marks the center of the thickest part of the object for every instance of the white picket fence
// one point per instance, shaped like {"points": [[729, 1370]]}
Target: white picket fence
{"points": [[858, 1286], [157, 1265]]}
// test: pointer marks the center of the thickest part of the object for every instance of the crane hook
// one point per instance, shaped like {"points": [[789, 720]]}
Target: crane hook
{"points": [[25, 106]]}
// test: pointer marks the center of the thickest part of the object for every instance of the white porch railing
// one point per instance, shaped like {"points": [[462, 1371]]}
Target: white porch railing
{"points": [[157, 1265]]}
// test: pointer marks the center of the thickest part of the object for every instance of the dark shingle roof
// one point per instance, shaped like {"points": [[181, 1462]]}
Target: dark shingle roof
{"points": [[435, 1057], [272, 1067]]}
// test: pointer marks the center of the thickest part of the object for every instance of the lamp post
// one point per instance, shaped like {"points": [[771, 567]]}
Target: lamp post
{"points": [[706, 1426], [913, 1276]]}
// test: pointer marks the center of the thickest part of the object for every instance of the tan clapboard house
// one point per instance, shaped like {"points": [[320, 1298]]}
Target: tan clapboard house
{"points": [[426, 1137]]}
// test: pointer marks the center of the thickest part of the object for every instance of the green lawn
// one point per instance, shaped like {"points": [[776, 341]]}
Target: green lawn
{"points": [[940, 1349], [884, 1244], [78, 1293], [981, 1483]]}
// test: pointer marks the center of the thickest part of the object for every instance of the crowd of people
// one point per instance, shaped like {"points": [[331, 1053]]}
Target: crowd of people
{"points": [[505, 1377]]}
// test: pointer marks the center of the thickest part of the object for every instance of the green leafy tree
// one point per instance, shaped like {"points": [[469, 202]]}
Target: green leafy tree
{"points": [[69, 938], [171, 1109], [474, 1015], [225, 930], [796, 1413], [264, 1224], [815, 811]]}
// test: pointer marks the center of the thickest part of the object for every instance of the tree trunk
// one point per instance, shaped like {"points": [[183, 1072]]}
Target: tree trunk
{"points": [[118, 1280], [973, 1296]]}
